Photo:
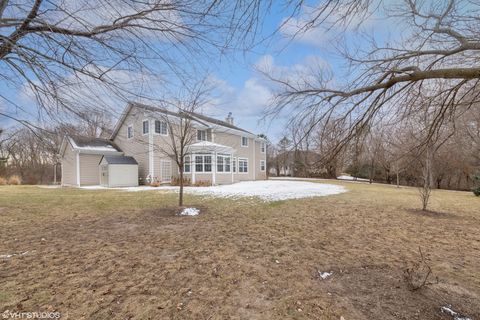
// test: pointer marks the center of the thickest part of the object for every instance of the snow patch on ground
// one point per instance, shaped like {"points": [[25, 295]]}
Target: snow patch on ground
{"points": [[456, 316], [266, 190], [8, 256], [190, 212], [324, 275], [350, 178], [269, 190]]}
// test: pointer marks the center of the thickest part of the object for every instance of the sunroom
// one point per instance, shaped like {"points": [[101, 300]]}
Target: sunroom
{"points": [[210, 162]]}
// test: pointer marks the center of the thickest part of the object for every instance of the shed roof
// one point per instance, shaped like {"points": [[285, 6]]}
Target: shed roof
{"points": [[90, 145], [119, 160]]}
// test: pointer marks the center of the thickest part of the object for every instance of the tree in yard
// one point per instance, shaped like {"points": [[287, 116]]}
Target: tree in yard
{"points": [[181, 130]]}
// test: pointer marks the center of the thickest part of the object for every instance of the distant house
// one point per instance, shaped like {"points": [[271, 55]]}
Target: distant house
{"points": [[222, 153], [296, 163]]}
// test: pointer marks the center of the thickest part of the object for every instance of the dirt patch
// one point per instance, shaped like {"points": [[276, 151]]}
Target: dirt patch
{"points": [[432, 214], [364, 287]]}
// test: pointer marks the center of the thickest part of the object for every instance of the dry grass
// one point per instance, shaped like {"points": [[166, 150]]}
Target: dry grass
{"points": [[3, 181], [118, 255]]}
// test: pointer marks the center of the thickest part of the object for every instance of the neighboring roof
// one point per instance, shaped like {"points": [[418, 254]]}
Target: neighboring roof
{"points": [[119, 160], [207, 146], [200, 118], [91, 145]]}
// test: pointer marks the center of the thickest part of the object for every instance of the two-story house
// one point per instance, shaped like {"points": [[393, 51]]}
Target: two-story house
{"points": [[218, 151]]}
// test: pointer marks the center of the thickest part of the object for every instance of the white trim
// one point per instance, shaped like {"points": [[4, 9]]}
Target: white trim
{"points": [[232, 160], [264, 165], [223, 156], [155, 128], [148, 127], [162, 162], [238, 169], [214, 169], [78, 169], [254, 161], [133, 131], [193, 169], [241, 142], [151, 155], [203, 130]]}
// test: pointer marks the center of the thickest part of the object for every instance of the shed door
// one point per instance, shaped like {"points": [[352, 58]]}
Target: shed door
{"points": [[166, 168], [104, 175]]}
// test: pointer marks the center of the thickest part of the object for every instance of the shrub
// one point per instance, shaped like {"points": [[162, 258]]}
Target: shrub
{"points": [[155, 184], [476, 184], [176, 181], [14, 180], [203, 183], [3, 181], [476, 192]]}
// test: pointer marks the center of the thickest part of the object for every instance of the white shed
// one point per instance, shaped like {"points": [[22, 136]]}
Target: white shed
{"points": [[118, 171]]}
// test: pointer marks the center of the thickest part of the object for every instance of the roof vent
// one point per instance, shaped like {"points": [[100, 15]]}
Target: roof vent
{"points": [[229, 118]]}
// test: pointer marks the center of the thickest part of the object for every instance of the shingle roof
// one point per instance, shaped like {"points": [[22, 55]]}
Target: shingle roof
{"points": [[119, 160], [192, 115], [94, 143]]}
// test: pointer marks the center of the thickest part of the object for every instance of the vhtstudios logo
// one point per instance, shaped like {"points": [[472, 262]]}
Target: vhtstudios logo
{"points": [[7, 314]]}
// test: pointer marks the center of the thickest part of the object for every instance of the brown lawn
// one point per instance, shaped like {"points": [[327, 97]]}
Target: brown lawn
{"points": [[125, 255]]}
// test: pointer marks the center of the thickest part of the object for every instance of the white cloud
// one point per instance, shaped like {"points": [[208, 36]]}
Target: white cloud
{"points": [[317, 28]]}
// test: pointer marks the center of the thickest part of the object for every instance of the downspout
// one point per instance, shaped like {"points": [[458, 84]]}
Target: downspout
{"points": [[194, 162], [214, 169], [78, 168], [254, 162], [150, 152]]}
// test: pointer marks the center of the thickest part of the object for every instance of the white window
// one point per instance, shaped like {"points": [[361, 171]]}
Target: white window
{"points": [[234, 165], [223, 163], [145, 127], [186, 164], [161, 127], [201, 135], [262, 165], [262, 147], [244, 142], [203, 163], [242, 165], [130, 131]]}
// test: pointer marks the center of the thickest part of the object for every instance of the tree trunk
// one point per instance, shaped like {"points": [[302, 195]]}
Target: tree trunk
{"points": [[180, 196], [398, 179]]}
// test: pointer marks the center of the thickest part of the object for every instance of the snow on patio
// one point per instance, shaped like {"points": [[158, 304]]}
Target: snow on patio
{"points": [[269, 190], [266, 190]]}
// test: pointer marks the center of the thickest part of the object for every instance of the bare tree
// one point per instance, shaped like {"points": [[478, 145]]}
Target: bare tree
{"points": [[180, 120], [77, 56], [438, 57]]}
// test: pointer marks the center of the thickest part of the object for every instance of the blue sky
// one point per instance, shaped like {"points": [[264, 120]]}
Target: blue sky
{"points": [[239, 88]]}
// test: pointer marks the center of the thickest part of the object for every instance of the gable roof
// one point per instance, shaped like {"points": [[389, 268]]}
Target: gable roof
{"points": [[119, 160], [200, 118], [90, 145]]}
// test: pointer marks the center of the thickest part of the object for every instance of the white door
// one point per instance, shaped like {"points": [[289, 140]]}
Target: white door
{"points": [[166, 170], [104, 175]]}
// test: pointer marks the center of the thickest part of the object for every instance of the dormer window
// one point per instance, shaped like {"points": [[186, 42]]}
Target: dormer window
{"points": [[201, 135], [244, 142]]}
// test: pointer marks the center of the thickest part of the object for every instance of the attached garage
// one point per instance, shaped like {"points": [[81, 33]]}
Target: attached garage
{"points": [[118, 171], [80, 158]]}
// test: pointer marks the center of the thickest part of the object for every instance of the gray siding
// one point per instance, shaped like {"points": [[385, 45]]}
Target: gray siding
{"points": [[69, 166]]}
